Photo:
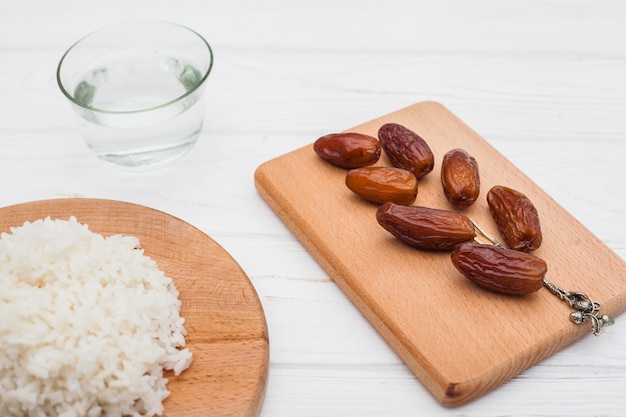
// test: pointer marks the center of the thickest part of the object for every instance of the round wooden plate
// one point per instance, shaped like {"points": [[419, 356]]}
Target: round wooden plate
{"points": [[227, 331]]}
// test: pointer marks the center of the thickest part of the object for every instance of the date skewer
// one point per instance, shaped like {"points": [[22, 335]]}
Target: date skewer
{"points": [[585, 308]]}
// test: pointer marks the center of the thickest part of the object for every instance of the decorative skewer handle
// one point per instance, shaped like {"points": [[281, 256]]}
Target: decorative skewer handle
{"points": [[586, 308]]}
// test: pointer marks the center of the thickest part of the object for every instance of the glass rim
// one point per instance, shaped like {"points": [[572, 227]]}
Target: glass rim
{"points": [[147, 109]]}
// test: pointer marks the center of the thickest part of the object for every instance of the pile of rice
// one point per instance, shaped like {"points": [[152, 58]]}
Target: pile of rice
{"points": [[87, 324]]}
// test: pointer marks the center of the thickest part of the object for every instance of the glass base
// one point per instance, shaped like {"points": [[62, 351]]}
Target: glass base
{"points": [[148, 160]]}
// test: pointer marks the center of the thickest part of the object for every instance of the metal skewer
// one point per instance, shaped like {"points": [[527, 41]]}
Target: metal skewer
{"points": [[586, 308]]}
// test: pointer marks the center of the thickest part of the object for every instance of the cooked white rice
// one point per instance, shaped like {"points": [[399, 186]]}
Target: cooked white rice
{"points": [[87, 324]]}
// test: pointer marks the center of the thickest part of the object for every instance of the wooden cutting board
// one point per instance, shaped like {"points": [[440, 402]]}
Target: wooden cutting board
{"points": [[227, 332], [460, 340]]}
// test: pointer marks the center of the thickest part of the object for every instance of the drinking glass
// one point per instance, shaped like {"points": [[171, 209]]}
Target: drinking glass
{"points": [[138, 91]]}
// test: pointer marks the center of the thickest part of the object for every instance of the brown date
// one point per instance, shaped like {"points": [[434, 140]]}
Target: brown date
{"points": [[425, 228], [406, 149], [382, 184], [516, 217], [500, 269], [348, 150], [460, 179]]}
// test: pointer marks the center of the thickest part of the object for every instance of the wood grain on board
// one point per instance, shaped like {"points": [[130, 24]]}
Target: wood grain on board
{"points": [[227, 331], [460, 340]]}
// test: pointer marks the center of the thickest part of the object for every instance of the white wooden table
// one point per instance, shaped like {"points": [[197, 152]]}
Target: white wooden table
{"points": [[542, 81]]}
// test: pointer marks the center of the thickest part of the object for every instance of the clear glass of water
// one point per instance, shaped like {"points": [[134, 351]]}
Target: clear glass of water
{"points": [[137, 90]]}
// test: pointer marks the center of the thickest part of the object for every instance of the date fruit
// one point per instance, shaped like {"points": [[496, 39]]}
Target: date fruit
{"points": [[348, 150], [516, 217], [460, 179], [406, 149], [426, 228], [500, 269], [383, 184]]}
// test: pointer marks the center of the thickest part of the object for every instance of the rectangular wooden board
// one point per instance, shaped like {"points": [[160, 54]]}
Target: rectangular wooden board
{"points": [[460, 340]]}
